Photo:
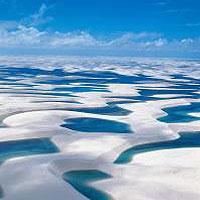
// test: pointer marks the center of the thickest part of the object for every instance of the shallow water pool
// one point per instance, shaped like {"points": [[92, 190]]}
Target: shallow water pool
{"points": [[180, 114], [81, 180], [97, 125], [26, 147], [186, 140]]}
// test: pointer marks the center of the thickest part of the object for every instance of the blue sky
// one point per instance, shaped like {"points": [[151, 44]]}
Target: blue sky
{"points": [[109, 27]]}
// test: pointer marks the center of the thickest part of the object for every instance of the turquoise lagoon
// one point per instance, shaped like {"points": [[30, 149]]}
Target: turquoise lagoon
{"points": [[186, 140], [81, 180], [180, 114], [26, 147], [97, 125]]}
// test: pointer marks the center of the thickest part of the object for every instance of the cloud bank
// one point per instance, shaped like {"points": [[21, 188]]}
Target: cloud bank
{"points": [[26, 35]]}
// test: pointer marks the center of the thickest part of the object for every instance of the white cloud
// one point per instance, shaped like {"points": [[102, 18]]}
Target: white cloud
{"points": [[31, 37], [38, 18], [20, 37], [156, 43], [161, 3], [8, 24], [193, 24], [81, 39], [187, 41], [26, 37]]}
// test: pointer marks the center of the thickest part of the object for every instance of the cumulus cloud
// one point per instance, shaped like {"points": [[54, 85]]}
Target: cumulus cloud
{"points": [[18, 36], [8, 24], [28, 34], [81, 39]]}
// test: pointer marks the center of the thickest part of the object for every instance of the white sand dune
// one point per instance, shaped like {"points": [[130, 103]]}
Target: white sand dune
{"points": [[159, 175]]}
